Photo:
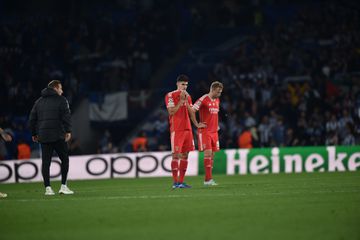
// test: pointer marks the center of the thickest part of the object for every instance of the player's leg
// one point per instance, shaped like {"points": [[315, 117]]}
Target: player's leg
{"points": [[214, 148], [175, 158], [207, 165], [61, 149], [212, 160], [46, 154], [183, 166], [188, 145], [204, 142], [175, 169]]}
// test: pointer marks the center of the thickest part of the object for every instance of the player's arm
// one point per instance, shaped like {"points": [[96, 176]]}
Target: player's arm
{"points": [[33, 121], [173, 110], [192, 114], [5, 136], [66, 118]]}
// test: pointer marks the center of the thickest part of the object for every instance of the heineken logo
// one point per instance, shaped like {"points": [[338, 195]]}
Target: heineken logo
{"points": [[292, 160]]}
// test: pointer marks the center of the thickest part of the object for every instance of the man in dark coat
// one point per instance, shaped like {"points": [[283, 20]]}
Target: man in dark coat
{"points": [[50, 123]]}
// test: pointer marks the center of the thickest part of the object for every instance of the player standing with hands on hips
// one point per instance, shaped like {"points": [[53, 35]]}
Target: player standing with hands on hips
{"points": [[178, 103], [208, 140], [50, 124]]}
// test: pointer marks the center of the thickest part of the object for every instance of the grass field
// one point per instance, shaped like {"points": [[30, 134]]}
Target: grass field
{"points": [[295, 206]]}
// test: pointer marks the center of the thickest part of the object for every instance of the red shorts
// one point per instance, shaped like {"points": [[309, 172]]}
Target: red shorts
{"points": [[208, 141], [182, 141]]}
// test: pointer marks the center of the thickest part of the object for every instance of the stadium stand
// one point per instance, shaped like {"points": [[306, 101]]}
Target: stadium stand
{"points": [[293, 81], [291, 70]]}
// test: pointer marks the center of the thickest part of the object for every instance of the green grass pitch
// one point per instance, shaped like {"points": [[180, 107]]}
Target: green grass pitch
{"points": [[284, 206]]}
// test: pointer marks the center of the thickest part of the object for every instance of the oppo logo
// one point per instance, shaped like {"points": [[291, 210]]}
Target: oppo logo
{"points": [[26, 170], [92, 167]]}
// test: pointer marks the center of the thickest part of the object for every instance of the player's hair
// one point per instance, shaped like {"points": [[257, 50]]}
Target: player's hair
{"points": [[54, 84], [182, 78], [216, 84]]}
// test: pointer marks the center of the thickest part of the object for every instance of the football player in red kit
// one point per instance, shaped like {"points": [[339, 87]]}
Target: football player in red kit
{"points": [[178, 103], [208, 140]]}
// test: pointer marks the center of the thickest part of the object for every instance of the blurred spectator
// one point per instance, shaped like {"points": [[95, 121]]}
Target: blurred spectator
{"points": [[11, 147], [161, 125], [264, 132], [290, 139], [23, 150], [139, 143], [4, 136], [106, 145], [343, 122], [278, 133], [245, 139], [349, 138], [254, 137], [332, 124], [331, 138], [249, 120]]}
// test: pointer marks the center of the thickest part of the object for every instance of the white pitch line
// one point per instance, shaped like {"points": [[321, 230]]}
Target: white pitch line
{"points": [[69, 198]]}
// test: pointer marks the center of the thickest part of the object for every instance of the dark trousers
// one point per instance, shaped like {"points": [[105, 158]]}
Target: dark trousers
{"points": [[47, 149]]}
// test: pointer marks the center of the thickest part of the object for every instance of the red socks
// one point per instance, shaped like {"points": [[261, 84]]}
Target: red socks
{"points": [[208, 168], [175, 169], [183, 167]]}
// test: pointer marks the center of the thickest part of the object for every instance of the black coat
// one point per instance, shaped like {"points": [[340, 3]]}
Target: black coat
{"points": [[50, 117]]}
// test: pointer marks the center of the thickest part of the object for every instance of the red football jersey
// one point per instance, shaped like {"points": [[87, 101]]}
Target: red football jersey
{"points": [[180, 120], [208, 112]]}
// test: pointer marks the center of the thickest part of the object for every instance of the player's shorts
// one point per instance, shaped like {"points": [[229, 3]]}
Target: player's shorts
{"points": [[182, 141], [208, 141]]}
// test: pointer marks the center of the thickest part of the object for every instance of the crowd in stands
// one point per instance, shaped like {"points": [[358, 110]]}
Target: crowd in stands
{"points": [[96, 47], [296, 84], [293, 84]]}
